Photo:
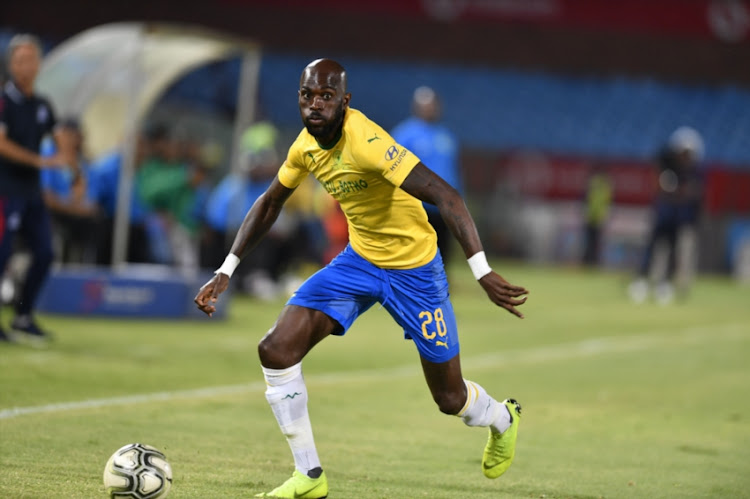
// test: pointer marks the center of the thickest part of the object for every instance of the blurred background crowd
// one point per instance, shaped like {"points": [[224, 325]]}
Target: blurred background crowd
{"points": [[614, 135]]}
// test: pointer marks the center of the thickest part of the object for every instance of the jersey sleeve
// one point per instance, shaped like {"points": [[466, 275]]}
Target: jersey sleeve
{"points": [[293, 171], [380, 152], [46, 178]]}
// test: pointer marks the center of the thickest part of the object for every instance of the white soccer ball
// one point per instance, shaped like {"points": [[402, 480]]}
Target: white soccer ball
{"points": [[138, 471]]}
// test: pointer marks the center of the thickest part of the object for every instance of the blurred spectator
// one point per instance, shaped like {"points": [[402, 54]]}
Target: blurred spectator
{"points": [[25, 119], [158, 181], [597, 204], [105, 174], [676, 209], [174, 183], [188, 205], [262, 271], [437, 148], [70, 196]]}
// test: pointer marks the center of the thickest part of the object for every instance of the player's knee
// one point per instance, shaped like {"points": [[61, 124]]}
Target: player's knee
{"points": [[274, 354], [268, 353], [449, 402]]}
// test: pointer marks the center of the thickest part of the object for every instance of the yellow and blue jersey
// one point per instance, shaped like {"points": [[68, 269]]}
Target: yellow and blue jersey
{"points": [[363, 171]]}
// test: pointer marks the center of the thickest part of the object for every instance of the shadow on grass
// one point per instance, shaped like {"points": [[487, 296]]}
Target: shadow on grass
{"points": [[694, 449]]}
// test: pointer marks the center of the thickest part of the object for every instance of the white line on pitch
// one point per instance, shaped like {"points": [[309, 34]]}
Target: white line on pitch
{"points": [[578, 349]]}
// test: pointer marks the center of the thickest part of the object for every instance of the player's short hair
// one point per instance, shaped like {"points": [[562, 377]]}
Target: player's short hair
{"points": [[687, 138], [20, 40], [424, 95], [71, 122]]}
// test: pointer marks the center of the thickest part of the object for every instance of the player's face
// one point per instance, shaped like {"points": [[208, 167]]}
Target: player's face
{"points": [[322, 102], [686, 158], [24, 65]]}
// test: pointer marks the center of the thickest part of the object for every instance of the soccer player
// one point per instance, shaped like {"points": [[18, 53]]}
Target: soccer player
{"points": [[675, 209], [392, 258]]}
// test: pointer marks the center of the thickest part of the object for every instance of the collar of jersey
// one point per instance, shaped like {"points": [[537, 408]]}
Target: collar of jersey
{"points": [[333, 143], [14, 92]]}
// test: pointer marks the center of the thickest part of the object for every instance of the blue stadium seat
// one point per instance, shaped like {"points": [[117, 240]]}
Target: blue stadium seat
{"points": [[510, 109]]}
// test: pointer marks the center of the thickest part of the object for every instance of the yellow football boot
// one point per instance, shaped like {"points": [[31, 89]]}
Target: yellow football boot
{"points": [[300, 486], [501, 447]]}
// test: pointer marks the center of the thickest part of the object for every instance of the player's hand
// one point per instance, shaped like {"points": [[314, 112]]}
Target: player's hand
{"points": [[55, 161], [209, 293], [504, 294]]}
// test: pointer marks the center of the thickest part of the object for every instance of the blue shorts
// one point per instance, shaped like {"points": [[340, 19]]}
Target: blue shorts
{"points": [[417, 299]]}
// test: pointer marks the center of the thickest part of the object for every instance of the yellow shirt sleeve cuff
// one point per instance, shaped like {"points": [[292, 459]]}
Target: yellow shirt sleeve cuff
{"points": [[289, 177]]}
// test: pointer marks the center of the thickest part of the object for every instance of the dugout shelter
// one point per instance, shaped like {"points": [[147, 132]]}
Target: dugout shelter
{"points": [[110, 76]]}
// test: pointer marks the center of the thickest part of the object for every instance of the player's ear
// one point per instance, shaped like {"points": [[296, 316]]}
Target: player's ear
{"points": [[347, 98]]}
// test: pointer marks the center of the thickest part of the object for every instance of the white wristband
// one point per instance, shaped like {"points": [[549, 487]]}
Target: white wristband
{"points": [[229, 265], [479, 265]]}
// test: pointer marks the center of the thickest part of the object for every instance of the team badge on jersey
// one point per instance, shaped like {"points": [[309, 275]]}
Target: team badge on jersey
{"points": [[42, 114]]}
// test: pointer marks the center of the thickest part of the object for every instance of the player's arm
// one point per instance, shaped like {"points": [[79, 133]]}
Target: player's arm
{"points": [[19, 154], [260, 217], [65, 152], [425, 185], [257, 223]]}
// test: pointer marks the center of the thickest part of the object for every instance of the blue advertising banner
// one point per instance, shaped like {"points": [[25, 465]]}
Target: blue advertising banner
{"points": [[137, 291]]}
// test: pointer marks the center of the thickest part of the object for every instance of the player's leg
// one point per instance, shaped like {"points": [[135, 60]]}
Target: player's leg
{"points": [[327, 303], [638, 290], [470, 401], [7, 231], [296, 331], [281, 351], [36, 230], [421, 305], [664, 292]]}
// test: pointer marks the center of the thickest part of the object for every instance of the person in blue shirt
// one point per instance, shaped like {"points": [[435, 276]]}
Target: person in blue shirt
{"points": [[233, 196], [105, 174], [425, 136], [230, 201], [70, 196]]}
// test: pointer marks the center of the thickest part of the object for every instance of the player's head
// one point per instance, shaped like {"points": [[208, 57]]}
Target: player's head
{"points": [[687, 145], [426, 104], [71, 135], [24, 58], [259, 158], [323, 98]]}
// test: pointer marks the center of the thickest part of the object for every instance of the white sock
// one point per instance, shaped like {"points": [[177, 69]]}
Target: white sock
{"points": [[287, 395], [482, 410]]}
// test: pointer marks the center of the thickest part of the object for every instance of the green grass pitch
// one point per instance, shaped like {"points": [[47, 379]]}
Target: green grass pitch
{"points": [[619, 400]]}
